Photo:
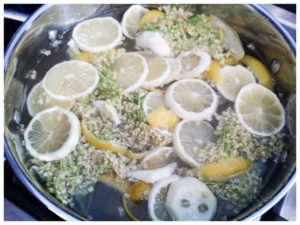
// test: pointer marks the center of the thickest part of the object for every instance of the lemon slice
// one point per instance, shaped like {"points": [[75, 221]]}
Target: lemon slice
{"points": [[132, 71], [191, 99], [194, 63], [151, 15], [225, 169], [107, 111], [260, 71], [97, 35], [152, 176], [230, 37], [175, 70], [38, 100], [259, 110], [108, 145], [52, 134], [159, 69], [189, 199], [157, 197], [158, 158], [130, 22], [70, 80], [233, 79], [189, 138], [153, 41], [152, 101]]}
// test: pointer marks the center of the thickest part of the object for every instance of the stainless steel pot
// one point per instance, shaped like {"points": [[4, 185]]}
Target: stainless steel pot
{"points": [[48, 29]]}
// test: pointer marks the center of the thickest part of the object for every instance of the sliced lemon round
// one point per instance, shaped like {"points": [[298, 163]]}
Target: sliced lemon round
{"points": [[108, 145], [259, 110], [158, 158], [191, 99], [131, 18], [52, 134], [230, 37], [153, 101], [98, 34], [70, 80], [152, 176], [233, 79], [159, 69], [38, 100], [189, 138], [132, 71], [260, 71], [189, 199], [194, 63], [157, 198], [175, 70], [151, 15], [225, 168]]}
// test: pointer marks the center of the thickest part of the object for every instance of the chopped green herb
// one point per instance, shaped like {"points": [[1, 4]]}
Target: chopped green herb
{"points": [[150, 28], [195, 20]]}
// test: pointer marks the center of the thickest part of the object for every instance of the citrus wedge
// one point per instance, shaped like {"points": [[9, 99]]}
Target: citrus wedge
{"points": [[130, 22], [189, 138], [260, 71], [233, 79], [98, 34], [70, 80], [259, 110], [214, 72], [132, 71], [52, 134], [191, 99], [163, 118], [38, 100], [107, 145]]}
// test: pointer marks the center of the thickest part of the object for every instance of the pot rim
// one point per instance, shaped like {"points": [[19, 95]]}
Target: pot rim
{"points": [[64, 213]]}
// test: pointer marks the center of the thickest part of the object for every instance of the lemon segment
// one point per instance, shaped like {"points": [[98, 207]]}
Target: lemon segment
{"points": [[83, 56], [214, 72], [138, 190], [225, 168], [106, 145], [163, 118], [260, 71], [259, 110], [151, 15]]}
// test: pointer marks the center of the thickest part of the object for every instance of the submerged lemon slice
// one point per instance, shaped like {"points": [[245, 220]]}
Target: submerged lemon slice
{"points": [[225, 168], [260, 71], [107, 145], [151, 15], [259, 110]]}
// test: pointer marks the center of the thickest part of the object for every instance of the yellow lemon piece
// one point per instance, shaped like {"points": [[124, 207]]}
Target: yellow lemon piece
{"points": [[225, 168], [214, 72], [260, 71], [138, 190], [152, 14], [163, 118], [83, 56], [109, 179], [107, 145]]}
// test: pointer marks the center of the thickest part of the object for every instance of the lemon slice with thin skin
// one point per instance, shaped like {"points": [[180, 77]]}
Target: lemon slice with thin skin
{"points": [[194, 63], [159, 69], [38, 100], [152, 101], [70, 80], [189, 138], [52, 134], [98, 34], [233, 79], [132, 71], [157, 197], [130, 22], [191, 99], [259, 110], [175, 70], [158, 157]]}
